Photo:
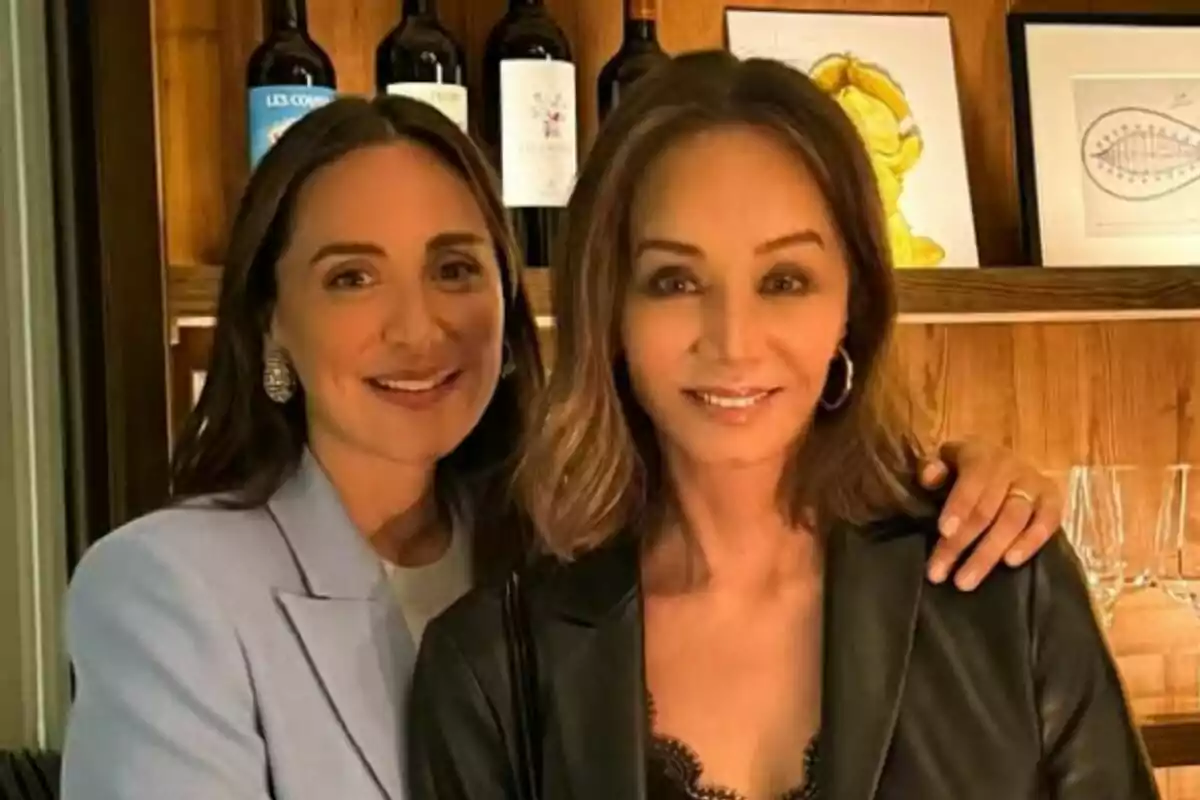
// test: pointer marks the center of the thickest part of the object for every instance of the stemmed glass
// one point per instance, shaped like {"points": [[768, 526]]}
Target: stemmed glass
{"points": [[1095, 526], [1177, 536]]}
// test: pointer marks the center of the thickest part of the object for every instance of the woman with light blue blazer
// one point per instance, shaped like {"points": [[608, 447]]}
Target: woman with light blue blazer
{"points": [[345, 477]]}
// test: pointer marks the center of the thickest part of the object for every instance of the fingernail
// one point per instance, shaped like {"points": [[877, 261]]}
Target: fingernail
{"points": [[967, 581], [949, 526], [938, 573], [1014, 557]]}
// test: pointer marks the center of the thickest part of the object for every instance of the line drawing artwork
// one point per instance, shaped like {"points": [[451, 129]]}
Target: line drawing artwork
{"points": [[1139, 152]]}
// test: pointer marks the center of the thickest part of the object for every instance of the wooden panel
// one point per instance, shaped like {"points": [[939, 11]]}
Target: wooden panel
{"points": [[110, 262], [1011, 294]]}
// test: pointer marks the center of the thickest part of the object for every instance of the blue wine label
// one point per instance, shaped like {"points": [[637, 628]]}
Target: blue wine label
{"points": [[273, 109]]}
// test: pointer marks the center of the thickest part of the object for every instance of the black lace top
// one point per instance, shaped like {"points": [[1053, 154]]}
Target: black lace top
{"points": [[674, 772]]}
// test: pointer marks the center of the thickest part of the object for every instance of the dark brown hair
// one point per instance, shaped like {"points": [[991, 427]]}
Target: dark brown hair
{"points": [[591, 465], [237, 442]]}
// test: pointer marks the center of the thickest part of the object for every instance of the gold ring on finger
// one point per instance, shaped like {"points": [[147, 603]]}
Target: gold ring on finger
{"points": [[1021, 493]]}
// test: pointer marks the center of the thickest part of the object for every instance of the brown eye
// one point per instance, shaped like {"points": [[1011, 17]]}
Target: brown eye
{"points": [[349, 279], [785, 283], [457, 271], [672, 282]]}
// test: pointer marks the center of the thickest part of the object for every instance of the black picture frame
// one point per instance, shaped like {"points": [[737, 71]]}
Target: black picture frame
{"points": [[1024, 158]]}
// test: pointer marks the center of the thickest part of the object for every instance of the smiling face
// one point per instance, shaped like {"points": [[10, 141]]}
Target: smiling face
{"points": [[390, 305], [737, 298]]}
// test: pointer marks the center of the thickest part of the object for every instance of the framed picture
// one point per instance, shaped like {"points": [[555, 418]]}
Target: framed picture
{"points": [[894, 76], [1107, 116]]}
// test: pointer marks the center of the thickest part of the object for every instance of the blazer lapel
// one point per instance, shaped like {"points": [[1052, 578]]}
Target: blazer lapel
{"points": [[596, 731], [347, 622], [874, 581]]}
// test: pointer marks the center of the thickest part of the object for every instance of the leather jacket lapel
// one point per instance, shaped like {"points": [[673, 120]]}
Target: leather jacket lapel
{"points": [[874, 581], [596, 731]]}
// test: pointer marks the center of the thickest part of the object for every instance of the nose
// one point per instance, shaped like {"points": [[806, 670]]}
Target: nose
{"points": [[411, 319], [731, 325]]}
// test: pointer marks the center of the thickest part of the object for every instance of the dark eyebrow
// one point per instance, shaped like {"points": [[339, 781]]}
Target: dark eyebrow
{"points": [[346, 249], [797, 237], [438, 242], [454, 239], [669, 245]]}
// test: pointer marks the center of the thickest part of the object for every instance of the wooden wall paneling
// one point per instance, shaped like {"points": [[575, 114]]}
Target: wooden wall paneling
{"points": [[111, 261]]}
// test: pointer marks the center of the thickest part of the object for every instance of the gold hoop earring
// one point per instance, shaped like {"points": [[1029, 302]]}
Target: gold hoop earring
{"points": [[847, 386], [279, 382]]}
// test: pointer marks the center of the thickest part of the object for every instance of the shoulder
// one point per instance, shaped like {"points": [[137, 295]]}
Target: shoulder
{"points": [[1054, 571], [192, 549], [588, 591]]}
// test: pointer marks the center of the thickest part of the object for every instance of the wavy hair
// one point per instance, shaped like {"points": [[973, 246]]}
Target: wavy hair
{"points": [[591, 466], [237, 442]]}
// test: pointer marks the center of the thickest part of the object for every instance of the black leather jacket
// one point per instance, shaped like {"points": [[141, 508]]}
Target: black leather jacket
{"points": [[1005, 693]]}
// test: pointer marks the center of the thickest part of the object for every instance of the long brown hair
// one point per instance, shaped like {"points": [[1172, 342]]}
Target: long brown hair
{"points": [[238, 443], [591, 465]]}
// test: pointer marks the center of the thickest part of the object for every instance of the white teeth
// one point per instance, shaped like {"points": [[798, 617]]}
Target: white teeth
{"points": [[724, 401], [410, 386]]}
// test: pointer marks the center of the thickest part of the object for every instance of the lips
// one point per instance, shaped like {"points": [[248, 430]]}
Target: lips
{"points": [[413, 383], [415, 392], [731, 398]]}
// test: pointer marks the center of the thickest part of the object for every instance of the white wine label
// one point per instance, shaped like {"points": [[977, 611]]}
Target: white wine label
{"points": [[274, 109], [538, 151], [449, 98]]}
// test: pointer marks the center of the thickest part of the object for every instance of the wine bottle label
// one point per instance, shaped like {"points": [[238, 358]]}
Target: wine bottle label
{"points": [[273, 109], [538, 154], [448, 98]]}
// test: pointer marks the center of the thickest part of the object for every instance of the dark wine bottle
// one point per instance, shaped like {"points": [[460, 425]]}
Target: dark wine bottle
{"points": [[530, 121], [420, 59], [288, 75], [639, 53]]}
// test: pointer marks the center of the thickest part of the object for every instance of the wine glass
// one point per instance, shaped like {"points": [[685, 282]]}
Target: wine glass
{"points": [[1097, 532], [1177, 541]]}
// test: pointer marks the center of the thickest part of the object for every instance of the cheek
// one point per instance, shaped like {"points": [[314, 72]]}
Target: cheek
{"points": [[475, 323], [327, 341], [655, 339]]}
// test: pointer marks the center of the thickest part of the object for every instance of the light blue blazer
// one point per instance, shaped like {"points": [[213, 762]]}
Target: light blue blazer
{"points": [[239, 655]]}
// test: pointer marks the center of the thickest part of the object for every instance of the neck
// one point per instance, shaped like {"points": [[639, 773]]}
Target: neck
{"points": [[289, 15], [640, 30], [392, 504], [419, 8], [730, 530]]}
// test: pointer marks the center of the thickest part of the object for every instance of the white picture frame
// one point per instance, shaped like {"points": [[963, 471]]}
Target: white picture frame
{"points": [[909, 54]]}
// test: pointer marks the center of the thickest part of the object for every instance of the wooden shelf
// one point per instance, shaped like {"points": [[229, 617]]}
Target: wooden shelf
{"points": [[1172, 740], [993, 294]]}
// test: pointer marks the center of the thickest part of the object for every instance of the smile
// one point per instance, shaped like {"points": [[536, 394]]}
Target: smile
{"points": [[414, 393], [412, 386], [736, 400]]}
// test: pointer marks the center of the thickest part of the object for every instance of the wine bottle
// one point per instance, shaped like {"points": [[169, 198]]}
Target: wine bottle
{"points": [[639, 53], [288, 75], [420, 59], [530, 121]]}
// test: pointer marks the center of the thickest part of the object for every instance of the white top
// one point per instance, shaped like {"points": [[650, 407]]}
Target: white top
{"points": [[424, 592]]}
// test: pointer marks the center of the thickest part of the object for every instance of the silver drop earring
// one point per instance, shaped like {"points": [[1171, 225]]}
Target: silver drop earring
{"points": [[278, 380]]}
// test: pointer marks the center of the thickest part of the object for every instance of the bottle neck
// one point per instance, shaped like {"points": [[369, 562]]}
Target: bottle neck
{"points": [[289, 15], [419, 8], [641, 11], [641, 30]]}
